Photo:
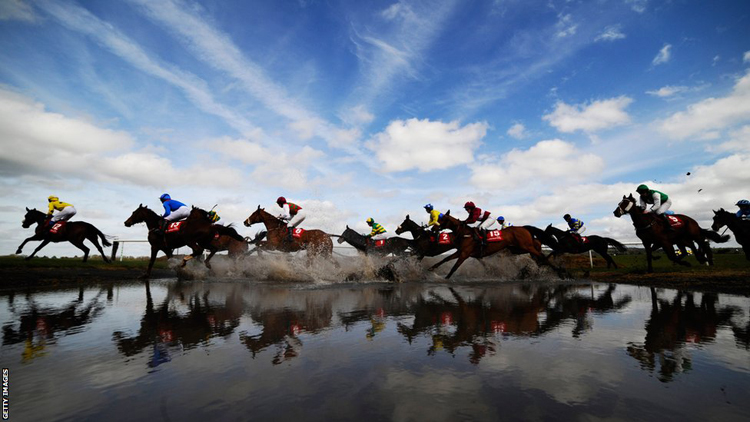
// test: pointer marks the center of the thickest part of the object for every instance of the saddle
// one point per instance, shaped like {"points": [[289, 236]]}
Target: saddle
{"points": [[58, 227], [442, 239]]}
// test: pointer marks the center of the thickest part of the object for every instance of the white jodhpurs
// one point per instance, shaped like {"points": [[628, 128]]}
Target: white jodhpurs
{"points": [[64, 214], [663, 207], [297, 219], [178, 214]]}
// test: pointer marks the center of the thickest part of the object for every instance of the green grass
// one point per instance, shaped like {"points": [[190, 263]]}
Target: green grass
{"points": [[634, 263]]}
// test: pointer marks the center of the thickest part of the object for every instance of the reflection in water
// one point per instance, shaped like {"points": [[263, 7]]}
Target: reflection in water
{"points": [[40, 325], [673, 325], [375, 351]]}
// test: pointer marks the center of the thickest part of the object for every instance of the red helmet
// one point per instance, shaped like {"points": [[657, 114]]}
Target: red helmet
{"points": [[281, 200], [469, 205]]}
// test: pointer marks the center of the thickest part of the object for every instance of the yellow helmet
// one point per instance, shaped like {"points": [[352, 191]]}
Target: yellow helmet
{"points": [[53, 198]]}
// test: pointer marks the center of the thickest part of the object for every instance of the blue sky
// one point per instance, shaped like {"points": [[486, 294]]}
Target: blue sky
{"points": [[532, 109]]}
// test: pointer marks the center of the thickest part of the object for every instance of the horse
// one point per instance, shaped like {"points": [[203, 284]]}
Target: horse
{"points": [[235, 248], [740, 228], [469, 245], [315, 242], [651, 229], [566, 243], [196, 232], [393, 245], [74, 232], [425, 241]]}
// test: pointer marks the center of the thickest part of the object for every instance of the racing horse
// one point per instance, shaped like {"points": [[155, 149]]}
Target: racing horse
{"points": [[315, 242], [740, 228], [197, 232], [652, 231], [566, 243], [74, 232], [393, 245], [425, 242], [515, 239]]}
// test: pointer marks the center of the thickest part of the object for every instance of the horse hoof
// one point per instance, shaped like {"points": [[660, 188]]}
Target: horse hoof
{"points": [[18, 251]]}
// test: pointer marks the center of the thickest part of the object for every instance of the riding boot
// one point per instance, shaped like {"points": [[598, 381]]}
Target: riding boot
{"points": [[289, 238], [669, 227]]}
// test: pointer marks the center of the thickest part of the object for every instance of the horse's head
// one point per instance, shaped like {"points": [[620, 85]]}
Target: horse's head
{"points": [[407, 225], [138, 216], [345, 235], [721, 219], [624, 206], [31, 217], [448, 221], [255, 217]]}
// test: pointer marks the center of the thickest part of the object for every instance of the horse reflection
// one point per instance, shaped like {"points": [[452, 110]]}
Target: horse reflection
{"points": [[674, 324], [163, 328], [39, 326], [281, 328]]}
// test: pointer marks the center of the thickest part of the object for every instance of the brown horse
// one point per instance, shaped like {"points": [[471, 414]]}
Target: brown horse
{"points": [[398, 246], [235, 248], [425, 241], [197, 232], [470, 246], [740, 228], [316, 242], [74, 232], [654, 233]]}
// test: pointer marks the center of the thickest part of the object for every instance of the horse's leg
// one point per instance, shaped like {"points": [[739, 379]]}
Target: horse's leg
{"points": [[78, 243], [210, 255], [709, 253], [154, 252], [454, 255], [41, 245], [669, 250], [649, 257], [458, 263], [34, 237], [195, 249], [95, 241]]}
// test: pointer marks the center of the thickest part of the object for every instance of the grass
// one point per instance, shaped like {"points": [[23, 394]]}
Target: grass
{"points": [[636, 263], [14, 261]]}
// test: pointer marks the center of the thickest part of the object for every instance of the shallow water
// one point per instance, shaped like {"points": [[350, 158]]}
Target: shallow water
{"points": [[243, 350]]}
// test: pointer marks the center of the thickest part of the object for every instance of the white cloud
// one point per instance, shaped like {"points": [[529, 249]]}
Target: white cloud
{"points": [[711, 114], [610, 33], [16, 10], [667, 91], [739, 141], [589, 118], [663, 56], [517, 131], [245, 151], [358, 115], [426, 145], [550, 162], [638, 6], [565, 26], [746, 57]]}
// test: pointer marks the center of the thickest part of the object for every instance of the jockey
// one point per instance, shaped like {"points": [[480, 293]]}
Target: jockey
{"points": [[291, 214], [476, 217], [64, 210], [501, 221], [575, 226], [660, 202], [378, 232], [434, 216], [744, 212], [173, 210]]}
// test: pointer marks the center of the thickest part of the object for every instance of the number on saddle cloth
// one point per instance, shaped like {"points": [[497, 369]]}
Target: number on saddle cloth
{"points": [[675, 221], [494, 236], [297, 233], [57, 227], [380, 243], [442, 239], [174, 227]]}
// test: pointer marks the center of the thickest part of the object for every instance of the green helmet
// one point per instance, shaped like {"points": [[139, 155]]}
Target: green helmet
{"points": [[642, 188]]}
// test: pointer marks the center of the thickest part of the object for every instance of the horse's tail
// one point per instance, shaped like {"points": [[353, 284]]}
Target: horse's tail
{"points": [[617, 245], [542, 236], [228, 231], [102, 236], [258, 237], [714, 236]]}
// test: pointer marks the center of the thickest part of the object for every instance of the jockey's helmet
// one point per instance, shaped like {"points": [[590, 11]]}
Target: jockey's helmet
{"points": [[428, 207], [370, 221], [501, 218], [469, 204], [642, 189], [53, 198], [742, 202], [281, 200], [566, 217], [165, 197]]}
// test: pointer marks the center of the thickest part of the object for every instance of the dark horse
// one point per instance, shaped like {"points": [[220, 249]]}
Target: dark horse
{"points": [[425, 241], [393, 245], [566, 243], [652, 231], [74, 232], [740, 228], [316, 242], [470, 246], [197, 232]]}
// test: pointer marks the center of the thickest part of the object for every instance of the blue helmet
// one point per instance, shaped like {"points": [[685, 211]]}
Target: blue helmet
{"points": [[742, 202], [428, 207], [165, 197], [501, 218]]}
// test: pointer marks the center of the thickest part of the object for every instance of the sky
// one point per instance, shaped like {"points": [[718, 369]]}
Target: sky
{"points": [[531, 109]]}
